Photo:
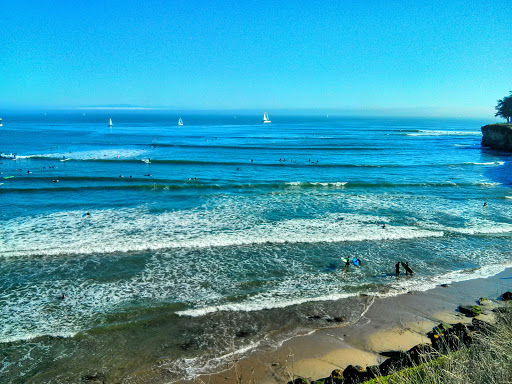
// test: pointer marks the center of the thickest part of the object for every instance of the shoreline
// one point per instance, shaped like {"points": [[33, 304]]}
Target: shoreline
{"points": [[394, 323]]}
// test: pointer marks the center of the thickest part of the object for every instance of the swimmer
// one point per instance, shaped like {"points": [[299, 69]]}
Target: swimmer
{"points": [[55, 181], [485, 203], [383, 226]]}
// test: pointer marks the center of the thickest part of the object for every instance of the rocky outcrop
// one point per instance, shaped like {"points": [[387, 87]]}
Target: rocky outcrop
{"points": [[497, 136]]}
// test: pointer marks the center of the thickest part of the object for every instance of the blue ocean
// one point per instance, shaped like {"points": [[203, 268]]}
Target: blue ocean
{"points": [[153, 250]]}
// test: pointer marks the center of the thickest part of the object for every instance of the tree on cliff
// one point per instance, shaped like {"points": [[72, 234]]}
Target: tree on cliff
{"points": [[504, 108]]}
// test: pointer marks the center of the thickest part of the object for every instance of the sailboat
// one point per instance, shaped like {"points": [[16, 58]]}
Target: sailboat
{"points": [[1, 125], [110, 123], [180, 122], [265, 118]]}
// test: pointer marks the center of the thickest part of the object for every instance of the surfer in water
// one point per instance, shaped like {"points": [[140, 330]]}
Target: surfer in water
{"points": [[408, 270], [397, 269], [383, 226], [347, 264]]}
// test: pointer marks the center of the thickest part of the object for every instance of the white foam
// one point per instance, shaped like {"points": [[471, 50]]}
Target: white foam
{"points": [[258, 306], [486, 163], [106, 154], [444, 133], [127, 230], [324, 184]]}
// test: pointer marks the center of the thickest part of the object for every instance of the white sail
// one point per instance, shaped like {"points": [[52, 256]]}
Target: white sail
{"points": [[110, 122], [265, 118], [1, 125], [180, 122]]}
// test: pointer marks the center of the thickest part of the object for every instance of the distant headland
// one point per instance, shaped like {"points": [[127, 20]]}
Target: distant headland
{"points": [[497, 136]]}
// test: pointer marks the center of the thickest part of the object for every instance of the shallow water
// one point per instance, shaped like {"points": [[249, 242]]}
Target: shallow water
{"points": [[231, 237]]}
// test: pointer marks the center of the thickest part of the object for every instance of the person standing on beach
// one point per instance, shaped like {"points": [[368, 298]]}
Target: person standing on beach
{"points": [[397, 269]]}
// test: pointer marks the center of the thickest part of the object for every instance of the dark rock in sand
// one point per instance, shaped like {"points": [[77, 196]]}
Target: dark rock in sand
{"points": [[472, 311], [244, 333], [506, 296], [95, 378], [336, 319]]}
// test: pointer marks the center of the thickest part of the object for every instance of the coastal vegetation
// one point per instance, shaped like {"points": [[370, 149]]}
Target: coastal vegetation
{"points": [[504, 108]]}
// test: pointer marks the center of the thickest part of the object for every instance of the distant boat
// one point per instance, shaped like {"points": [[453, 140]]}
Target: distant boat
{"points": [[1, 125], [180, 122], [265, 118], [110, 123]]}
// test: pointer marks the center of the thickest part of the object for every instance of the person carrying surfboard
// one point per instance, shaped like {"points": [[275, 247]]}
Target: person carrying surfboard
{"points": [[408, 270]]}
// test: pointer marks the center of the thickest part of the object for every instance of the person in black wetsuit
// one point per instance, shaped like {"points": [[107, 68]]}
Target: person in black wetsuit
{"points": [[397, 269], [408, 271]]}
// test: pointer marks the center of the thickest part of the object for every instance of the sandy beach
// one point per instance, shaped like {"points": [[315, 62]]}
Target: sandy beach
{"points": [[390, 324]]}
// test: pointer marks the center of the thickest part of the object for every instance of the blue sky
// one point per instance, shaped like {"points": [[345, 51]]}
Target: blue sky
{"points": [[429, 57]]}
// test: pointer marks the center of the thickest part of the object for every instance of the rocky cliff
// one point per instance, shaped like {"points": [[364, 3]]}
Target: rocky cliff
{"points": [[497, 136]]}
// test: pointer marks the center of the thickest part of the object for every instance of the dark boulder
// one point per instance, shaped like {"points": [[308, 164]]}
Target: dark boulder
{"points": [[336, 377], [438, 330], [421, 353], [95, 378], [393, 364], [506, 296], [453, 339], [354, 374], [471, 311]]}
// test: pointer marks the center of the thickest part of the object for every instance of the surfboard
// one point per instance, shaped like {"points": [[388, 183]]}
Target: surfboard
{"points": [[8, 177], [355, 262], [407, 269]]}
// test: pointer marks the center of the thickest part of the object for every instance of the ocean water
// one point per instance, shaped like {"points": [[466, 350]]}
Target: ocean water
{"points": [[233, 237]]}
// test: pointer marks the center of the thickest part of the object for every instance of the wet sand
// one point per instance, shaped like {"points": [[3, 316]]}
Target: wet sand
{"points": [[390, 324]]}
